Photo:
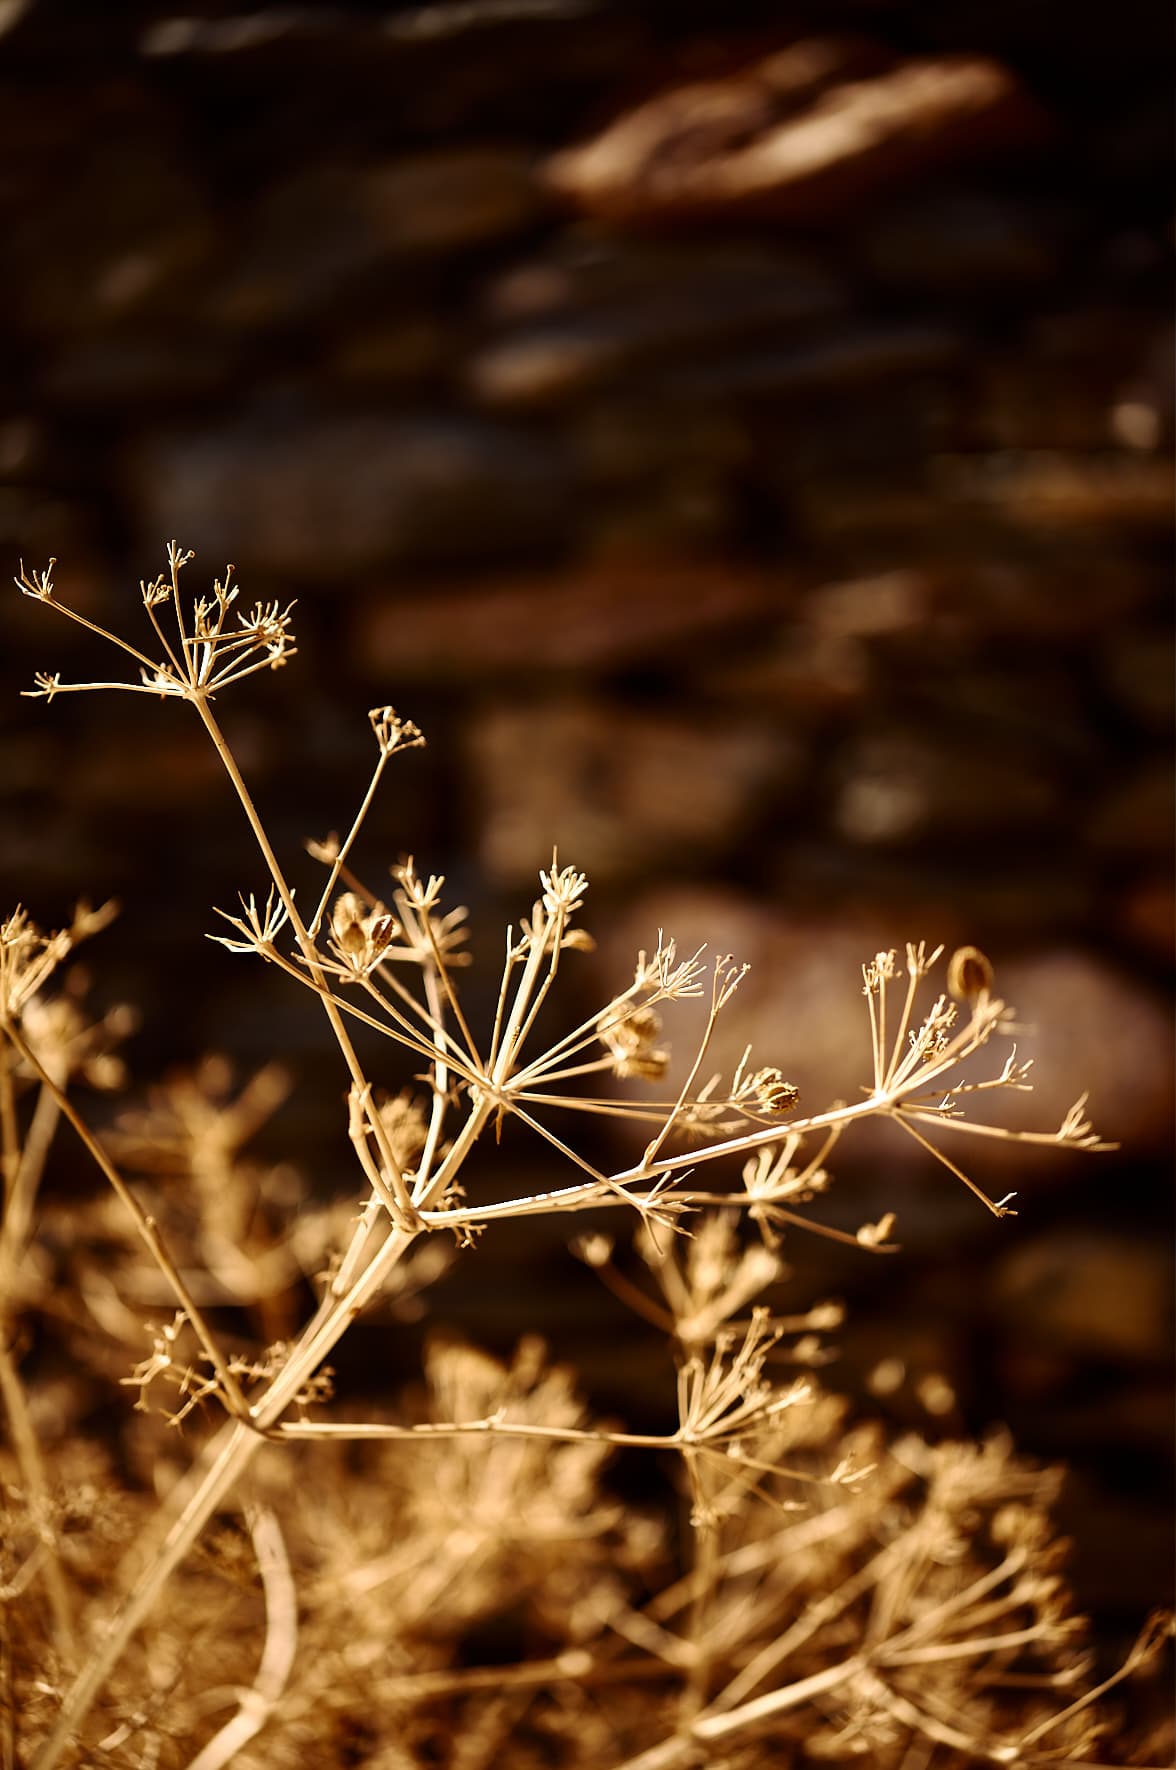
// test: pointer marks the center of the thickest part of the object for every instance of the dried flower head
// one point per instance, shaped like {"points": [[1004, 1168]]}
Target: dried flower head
{"points": [[392, 732], [632, 1038], [360, 936]]}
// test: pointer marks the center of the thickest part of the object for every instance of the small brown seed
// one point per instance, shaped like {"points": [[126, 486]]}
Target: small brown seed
{"points": [[969, 974]]}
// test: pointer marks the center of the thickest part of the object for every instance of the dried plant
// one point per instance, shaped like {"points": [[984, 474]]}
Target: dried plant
{"points": [[828, 1596]]}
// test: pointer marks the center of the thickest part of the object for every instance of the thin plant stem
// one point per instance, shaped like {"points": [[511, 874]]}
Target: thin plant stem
{"points": [[777, 1651], [574, 1666], [504, 1056], [226, 1463], [935, 1618], [581, 1038], [552, 939], [1157, 1628], [172, 659], [704, 1531], [17, 1225], [998, 1209], [717, 998], [405, 1033], [357, 1130], [973, 1128], [340, 860], [230, 1455], [32, 1470], [148, 1231], [7, 1700], [681, 1750], [442, 972], [281, 1641], [944, 1650], [70, 614], [440, 1084], [309, 951], [913, 977], [10, 1146], [372, 1430], [875, 1038], [402, 1032]]}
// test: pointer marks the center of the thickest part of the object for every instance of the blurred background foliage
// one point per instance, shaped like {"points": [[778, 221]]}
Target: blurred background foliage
{"points": [[740, 436]]}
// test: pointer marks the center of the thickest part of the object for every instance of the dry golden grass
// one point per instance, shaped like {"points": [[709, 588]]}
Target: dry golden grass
{"points": [[280, 1586]]}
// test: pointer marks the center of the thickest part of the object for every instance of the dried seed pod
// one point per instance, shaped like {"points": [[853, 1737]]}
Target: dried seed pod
{"points": [[347, 922], [969, 974], [770, 1092], [380, 932], [360, 937]]}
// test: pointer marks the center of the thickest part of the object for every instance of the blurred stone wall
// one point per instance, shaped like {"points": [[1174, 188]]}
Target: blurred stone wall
{"points": [[740, 435]]}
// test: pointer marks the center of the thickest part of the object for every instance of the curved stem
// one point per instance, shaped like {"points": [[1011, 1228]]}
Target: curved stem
{"points": [[277, 1659]]}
